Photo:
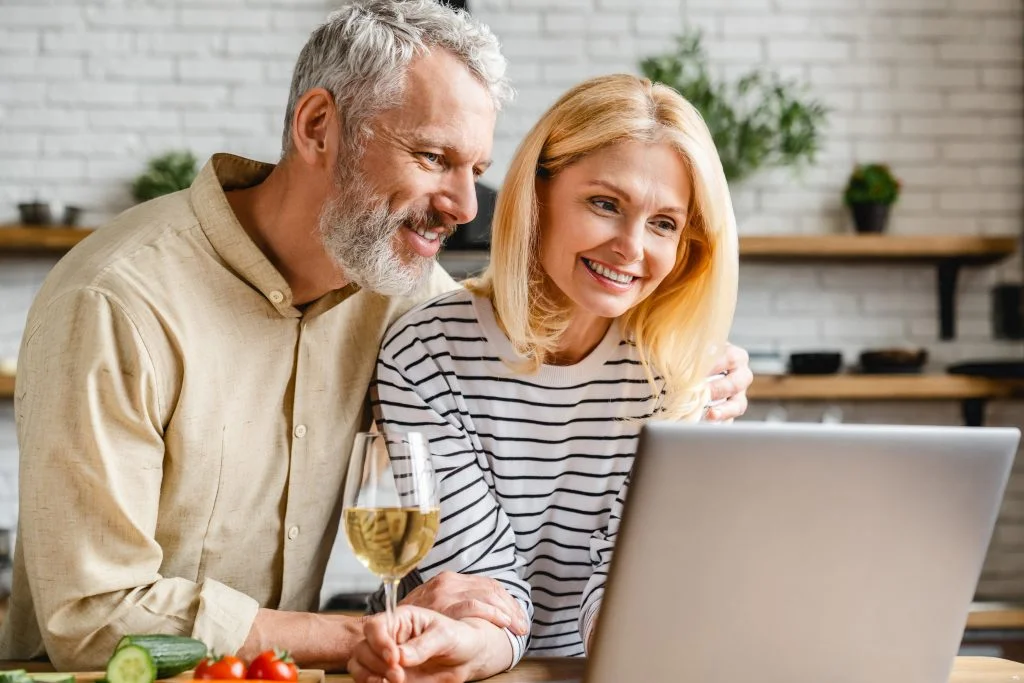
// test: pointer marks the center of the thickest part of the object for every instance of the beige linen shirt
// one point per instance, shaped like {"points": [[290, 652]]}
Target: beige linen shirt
{"points": [[183, 431]]}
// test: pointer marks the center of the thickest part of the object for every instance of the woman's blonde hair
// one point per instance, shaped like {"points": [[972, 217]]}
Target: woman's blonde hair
{"points": [[679, 327]]}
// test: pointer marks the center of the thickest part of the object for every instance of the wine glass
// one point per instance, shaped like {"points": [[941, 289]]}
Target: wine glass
{"points": [[390, 506]]}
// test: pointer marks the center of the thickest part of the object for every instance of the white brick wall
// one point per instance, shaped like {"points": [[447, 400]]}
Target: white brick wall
{"points": [[88, 92]]}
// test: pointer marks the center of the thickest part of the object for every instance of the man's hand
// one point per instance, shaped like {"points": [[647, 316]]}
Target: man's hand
{"points": [[427, 647], [463, 596], [729, 393]]}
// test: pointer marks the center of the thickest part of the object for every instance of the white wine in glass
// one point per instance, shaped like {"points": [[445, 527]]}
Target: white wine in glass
{"points": [[390, 508]]}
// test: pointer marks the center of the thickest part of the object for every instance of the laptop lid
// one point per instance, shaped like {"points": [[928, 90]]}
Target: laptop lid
{"points": [[790, 553]]}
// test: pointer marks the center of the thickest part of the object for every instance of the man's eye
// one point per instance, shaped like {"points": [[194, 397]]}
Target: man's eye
{"points": [[431, 158]]}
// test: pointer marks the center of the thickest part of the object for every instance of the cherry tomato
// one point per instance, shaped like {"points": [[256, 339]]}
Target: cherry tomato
{"points": [[273, 665], [226, 668]]}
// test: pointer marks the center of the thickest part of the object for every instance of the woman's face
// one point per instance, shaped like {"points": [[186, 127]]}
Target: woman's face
{"points": [[610, 225]]}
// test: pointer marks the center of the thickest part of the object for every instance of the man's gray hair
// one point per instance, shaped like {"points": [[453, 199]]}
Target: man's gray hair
{"points": [[361, 53]]}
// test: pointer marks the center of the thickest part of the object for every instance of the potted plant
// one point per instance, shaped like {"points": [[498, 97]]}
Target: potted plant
{"points": [[165, 174], [870, 192], [757, 122]]}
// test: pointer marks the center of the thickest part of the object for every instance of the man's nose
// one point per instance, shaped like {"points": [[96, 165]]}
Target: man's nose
{"points": [[457, 199]]}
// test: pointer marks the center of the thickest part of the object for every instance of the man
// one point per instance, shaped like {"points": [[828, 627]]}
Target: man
{"points": [[192, 375]]}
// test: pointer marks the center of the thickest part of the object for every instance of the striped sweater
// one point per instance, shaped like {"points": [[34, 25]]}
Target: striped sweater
{"points": [[532, 468]]}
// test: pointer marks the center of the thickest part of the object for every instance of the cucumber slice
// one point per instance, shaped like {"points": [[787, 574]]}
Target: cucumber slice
{"points": [[52, 678], [131, 664]]}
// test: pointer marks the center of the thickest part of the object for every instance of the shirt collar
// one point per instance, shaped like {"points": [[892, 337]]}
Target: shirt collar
{"points": [[226, 172]]}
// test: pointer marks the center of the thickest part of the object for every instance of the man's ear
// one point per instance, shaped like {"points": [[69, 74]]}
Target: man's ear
{"points": [[316, 128]]}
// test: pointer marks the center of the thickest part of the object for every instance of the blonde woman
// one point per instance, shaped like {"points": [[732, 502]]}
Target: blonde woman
{"points": [[612, 281]]}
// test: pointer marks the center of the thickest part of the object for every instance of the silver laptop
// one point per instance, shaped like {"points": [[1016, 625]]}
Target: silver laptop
{"points": [[799, 553]]}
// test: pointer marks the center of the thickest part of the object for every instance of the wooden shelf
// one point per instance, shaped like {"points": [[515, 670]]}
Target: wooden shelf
{"points": [[40, 238], [842, 388], [880, 388], [948, 252], [928, 248], [996, 616]]}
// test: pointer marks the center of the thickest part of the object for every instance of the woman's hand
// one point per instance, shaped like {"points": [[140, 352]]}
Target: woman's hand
{"points": [[729, 393], [427, 647]]}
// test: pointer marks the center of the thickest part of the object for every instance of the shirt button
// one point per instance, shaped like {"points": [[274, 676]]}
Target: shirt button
{"points": [[300, 431], [276, 296], [293, 533]]}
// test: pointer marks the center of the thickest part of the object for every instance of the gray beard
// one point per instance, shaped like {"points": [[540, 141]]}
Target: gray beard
{"points": [[360, 232]]}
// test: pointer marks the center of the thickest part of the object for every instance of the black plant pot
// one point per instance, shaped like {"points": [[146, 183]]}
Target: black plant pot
{"points": [[870, 218]]}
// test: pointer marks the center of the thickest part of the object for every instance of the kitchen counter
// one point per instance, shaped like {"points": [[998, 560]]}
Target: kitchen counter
{"points": [[563, 670]]}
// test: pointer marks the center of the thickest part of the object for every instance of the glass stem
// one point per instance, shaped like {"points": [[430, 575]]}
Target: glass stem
{"points": [[390, 603]]}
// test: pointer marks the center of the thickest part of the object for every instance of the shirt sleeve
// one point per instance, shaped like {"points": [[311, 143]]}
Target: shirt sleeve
{"points": [[90, 432], [413, 393], [602, 544]]}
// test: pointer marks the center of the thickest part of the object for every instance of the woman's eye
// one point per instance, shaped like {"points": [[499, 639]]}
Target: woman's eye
{"points": [[603, 204], [664, 225]]}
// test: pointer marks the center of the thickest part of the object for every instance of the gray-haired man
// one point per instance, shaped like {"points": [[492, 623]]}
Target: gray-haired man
{"points": [[192, 375]]}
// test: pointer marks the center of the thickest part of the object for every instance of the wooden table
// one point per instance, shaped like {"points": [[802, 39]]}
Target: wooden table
{"points": [[541, 670], [965, 670]]}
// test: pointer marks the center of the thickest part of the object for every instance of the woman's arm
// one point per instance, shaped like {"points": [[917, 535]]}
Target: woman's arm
{"points": [[602, 545], [414, 393]]}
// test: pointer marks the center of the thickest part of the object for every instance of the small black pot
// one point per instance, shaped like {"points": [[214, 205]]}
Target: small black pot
{"points": [[72, 214], [35, 213], [870, 218]]}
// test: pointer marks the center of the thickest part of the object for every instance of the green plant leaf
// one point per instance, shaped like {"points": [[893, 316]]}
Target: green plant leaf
{"points": [[756, 122], [871, 184], [165, 174]]}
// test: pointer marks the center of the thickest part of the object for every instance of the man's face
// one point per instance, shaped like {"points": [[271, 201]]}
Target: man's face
{"points": [[414, 181]]}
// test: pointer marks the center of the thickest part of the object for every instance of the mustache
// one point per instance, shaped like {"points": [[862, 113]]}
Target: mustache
{"points": [[429, 219]]}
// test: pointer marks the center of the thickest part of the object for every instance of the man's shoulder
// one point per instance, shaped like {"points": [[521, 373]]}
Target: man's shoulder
{"points": [[128, 242]]}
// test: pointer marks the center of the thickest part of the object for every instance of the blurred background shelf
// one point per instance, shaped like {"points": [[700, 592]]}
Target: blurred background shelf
{"points": [[881, 388], [40, 238], [843, 388], [922, 248]]}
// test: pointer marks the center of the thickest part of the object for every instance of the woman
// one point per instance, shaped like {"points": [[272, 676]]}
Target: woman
{"points": [[612, 281]]}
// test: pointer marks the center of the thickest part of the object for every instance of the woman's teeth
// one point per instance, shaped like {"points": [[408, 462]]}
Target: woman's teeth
{"points": [[608, 273], [429, 235]]}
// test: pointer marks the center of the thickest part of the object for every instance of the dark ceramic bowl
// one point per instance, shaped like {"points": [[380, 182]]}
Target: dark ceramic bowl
{"points": [[815, 363], [892, 361]]}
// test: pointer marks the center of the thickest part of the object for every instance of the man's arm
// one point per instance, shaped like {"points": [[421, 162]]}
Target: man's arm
{"points": [[90, 418]]}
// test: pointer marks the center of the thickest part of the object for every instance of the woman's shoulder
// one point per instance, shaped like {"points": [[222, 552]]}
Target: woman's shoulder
{"points": [[444, 315]]}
